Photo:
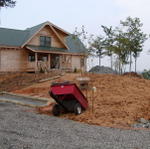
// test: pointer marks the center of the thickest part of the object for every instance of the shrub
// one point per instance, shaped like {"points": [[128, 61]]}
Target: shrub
{"points": [[146, 74]]}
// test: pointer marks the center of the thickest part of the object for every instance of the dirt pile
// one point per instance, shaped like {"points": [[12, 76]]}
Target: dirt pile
{"points": [[132, 74], [118, 101], [102, 70]]}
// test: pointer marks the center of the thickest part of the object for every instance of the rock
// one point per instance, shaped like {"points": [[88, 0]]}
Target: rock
{"points": [[147, 125], [143, 121], [139, 125]]}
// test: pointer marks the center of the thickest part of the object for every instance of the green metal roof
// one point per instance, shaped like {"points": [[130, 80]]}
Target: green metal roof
{"points": [[75, 45], [31, 31], [41, 48], [12, 37]]}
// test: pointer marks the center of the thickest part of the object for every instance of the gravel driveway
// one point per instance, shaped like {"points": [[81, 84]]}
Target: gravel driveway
{"points": [[20, 129]]}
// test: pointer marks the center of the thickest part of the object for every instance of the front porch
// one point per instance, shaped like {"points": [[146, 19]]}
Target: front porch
{"points": [[44, 61]]}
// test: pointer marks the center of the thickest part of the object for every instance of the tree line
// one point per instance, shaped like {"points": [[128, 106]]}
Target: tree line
{"points": [[122, 43]]}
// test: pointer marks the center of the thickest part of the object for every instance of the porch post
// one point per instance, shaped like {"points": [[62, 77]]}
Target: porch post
{"points": [[49, 61], [36, 61]]}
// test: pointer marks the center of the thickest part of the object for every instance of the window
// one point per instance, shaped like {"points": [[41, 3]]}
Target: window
{"points": [[45, 41], [31, 57]]}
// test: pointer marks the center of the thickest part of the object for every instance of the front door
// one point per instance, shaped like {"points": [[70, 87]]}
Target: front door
{"points": [[55, 61]]}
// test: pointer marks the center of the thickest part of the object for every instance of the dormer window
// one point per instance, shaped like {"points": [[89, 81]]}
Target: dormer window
{"points": [[45, 41]]}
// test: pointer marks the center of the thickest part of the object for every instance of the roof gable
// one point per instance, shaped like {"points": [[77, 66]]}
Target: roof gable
{"points": [[46, 31], [31, 31], [34, 30]]}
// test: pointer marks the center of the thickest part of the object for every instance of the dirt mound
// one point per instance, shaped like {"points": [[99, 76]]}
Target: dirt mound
{"points": [[102, 70], [118, 101], [132, 74]]}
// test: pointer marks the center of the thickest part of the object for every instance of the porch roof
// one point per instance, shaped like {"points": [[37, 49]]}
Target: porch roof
{"points": [[45, 49], [41, 49]]}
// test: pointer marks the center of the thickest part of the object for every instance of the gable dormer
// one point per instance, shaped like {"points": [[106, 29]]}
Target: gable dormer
{"points": [[47, 35]]}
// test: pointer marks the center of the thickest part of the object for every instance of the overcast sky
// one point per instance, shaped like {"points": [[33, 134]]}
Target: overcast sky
{"points": [[69, 14]]}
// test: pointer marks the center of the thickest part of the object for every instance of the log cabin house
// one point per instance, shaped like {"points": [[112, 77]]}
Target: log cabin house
{"points": [[45, 46]]}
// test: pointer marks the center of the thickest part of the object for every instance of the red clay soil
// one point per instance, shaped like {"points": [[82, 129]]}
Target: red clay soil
{"points": [[132, 74], [14, 81], [118, 102], [42, 89]]}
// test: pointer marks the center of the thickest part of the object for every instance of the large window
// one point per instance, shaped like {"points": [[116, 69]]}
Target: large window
{"points": [[45, 41]]}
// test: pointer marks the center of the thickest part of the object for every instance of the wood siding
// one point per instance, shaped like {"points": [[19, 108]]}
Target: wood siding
{"points": [[46, 31], [13, 60], [61, 34], [76, 63], [17, 60]]}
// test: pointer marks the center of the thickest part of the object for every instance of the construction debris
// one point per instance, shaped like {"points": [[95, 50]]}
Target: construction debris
{"points": [[83, 82], [43, 67]]}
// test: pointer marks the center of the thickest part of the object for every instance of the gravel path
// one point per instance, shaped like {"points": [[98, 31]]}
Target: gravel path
{"points": [[20, 129], [23, 100]]}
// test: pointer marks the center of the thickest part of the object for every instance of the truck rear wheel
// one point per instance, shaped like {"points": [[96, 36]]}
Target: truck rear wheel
{"points": [[56, 110], [77, 109]]}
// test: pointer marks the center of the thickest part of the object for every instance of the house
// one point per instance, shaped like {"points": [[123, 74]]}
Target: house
{"points": [[45, 46]]}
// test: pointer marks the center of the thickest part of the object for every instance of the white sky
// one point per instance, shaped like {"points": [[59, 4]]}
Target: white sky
{"points": [[69, 14]]}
